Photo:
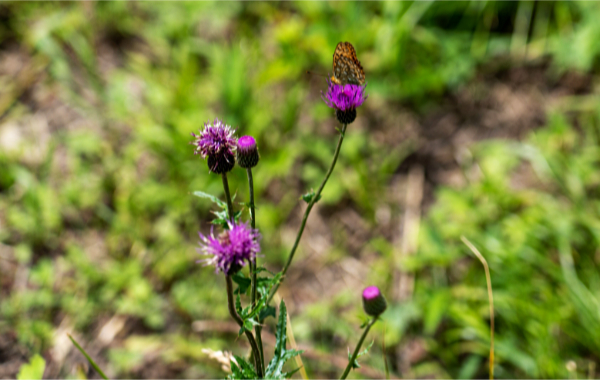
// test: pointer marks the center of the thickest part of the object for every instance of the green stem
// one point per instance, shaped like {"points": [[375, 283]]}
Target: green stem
{"points": [[228, 197], [257, 328], [357, 349], [240, 322], [307, 212]]}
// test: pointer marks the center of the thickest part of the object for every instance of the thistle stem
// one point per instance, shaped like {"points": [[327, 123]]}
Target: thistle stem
{"points": [[307, 212], [257, 328], [228, 197], [357, 349], [236, 317]]}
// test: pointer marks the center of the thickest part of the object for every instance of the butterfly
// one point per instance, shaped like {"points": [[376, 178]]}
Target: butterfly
{"points": [[346, 67]]}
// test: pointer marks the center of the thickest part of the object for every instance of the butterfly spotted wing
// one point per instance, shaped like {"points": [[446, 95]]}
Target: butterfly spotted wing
{"points": [[346, 67]]}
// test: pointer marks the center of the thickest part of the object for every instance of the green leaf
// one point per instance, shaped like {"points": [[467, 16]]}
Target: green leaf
{"points": [[214, 199], [265, 312], [265, 284], [309, 196], [236, 372], [365, 323], [248, 371], [238, 304], [363, 352], [246, 312], [92, 363], [243, 283], [237, 215], [281, 355], [292, 372], [32, 370]]}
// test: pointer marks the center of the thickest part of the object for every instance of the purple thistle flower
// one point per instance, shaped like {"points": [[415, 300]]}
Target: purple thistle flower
{"points": [[216, 143], [344, 99], [232, 248]]}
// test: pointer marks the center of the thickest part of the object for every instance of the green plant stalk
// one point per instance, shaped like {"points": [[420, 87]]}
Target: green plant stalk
{"points": [[89, 359], [236, 317], [232, 311], [228, 197], [307, 212], [357, 349], [257, 328]]}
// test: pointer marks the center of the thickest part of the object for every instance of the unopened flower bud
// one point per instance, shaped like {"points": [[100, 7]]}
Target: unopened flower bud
{"points": [[247, 152], [374, 302]]}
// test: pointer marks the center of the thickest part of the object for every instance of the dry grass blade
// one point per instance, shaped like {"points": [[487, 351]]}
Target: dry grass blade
{"points": [[488, 279]]}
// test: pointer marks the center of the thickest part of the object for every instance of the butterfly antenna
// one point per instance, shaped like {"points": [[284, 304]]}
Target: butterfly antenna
{"points": [[317, 74]]}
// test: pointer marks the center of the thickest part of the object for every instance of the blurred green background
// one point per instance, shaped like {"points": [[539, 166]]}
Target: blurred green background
{"points": [[482, 120]]}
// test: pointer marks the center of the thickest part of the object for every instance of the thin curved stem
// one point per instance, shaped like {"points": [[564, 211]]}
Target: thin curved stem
{"points": [[307, 212], [228, 197], [240, 322], [357, 349], [257, 328]]}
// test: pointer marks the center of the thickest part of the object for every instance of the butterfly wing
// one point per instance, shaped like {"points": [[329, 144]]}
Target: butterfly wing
{"points": [[346, 67]]}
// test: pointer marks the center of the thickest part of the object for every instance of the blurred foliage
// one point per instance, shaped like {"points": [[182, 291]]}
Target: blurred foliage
{"points": [[98, 215]]}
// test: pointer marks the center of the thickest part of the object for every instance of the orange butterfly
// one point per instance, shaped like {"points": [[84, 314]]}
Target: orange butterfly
{"points": [[346, 67]]}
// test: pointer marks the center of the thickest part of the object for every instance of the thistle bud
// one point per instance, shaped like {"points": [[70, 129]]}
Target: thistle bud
{"points": [[247, 152], [374, 302]]}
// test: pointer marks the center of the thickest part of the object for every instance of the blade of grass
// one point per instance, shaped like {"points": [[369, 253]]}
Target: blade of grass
{"points": [[488, 279], [93, 364]]}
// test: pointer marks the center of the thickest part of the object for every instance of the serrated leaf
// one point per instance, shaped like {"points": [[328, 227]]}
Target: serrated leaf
{"points": [[243, 283], [214, 199], [292, 372], [281, 354], [237, 215], [247, 369], [220, 222], [236, 372], [265, 284], [32, 370], [355, 365], [266, 312], [245, 313]]}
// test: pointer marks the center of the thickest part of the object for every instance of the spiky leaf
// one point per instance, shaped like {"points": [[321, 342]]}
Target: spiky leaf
{"points": [[243, 370], [281, 355], [355, 365]]}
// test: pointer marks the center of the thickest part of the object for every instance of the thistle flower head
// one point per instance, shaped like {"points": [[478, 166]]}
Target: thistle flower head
{"points": [[344, 99], [374, 302], [247, 152], [216, 143], [231, 249]]}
